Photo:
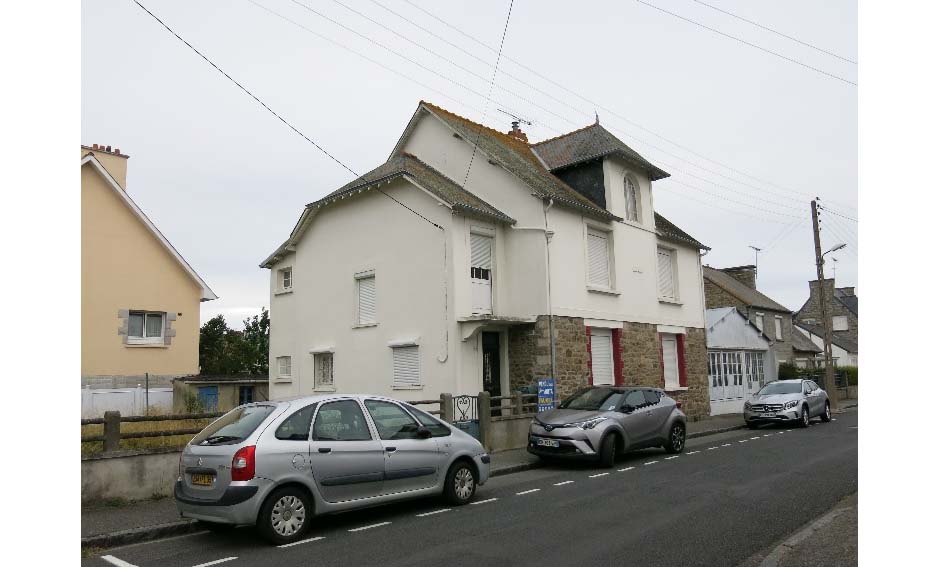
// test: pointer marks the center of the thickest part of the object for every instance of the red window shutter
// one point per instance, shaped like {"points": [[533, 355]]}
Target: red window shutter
{"points": [[662, 366], [587, 330], [616, 334], [680, 346]]}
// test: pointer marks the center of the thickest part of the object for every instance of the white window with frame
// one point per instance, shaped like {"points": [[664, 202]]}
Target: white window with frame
{"points": [[406, 367], [146, 327], [670, 362], [285, 279], [602, 357], [598, 259], [365, 299], [323, 372], [284, 368], [481, 272], [666, 259], [759, 321], [840, 323], [778, 327], [631, 194]]}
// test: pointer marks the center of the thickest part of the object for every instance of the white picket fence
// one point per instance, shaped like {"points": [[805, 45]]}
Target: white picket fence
{"points": [[128, 401]]}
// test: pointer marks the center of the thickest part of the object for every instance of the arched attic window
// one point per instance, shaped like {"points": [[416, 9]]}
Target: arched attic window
{"points": [[631, 194]]}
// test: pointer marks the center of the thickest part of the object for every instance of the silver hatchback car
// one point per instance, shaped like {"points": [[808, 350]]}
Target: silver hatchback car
{"points": [[601, 422], [787, 401], [277, 464]]}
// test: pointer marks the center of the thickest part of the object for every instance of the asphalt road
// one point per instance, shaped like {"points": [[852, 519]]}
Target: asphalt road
{"points": [[727, 497]]}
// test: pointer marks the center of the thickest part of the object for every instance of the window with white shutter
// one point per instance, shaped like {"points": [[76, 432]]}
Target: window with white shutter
{"points": [[406, 368], [283, 368], [759, 321], [481, 272], [778, 328], [365, 291], [667, 273], [602, 357], [670, 362], [840, 323], [598, 259]]}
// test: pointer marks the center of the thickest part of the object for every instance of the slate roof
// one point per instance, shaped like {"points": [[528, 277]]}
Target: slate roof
{"points": [[427, 177], [591, 142], [801, 342], [517, 157], [669, 231], [744, 293], [844, 343], [850, 301]]}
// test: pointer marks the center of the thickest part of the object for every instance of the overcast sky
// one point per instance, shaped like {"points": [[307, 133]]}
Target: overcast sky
{"points": [[748, 137]]}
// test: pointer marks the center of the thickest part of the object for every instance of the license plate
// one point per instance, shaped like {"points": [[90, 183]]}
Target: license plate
{"points": [[202, 479], [768, 415], [549, 443]]}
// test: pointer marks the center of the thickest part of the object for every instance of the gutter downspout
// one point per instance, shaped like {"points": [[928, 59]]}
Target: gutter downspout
{"points": [[548, 277]]}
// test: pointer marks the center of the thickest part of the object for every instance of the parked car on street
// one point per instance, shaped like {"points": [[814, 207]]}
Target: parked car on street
{"points": [[276, 465], [788, 401], [601, 422]]}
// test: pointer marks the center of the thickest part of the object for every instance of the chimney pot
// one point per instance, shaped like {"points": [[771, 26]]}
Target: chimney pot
{"points": [[108, 149], [94, 146], [117, 151], [517, 133]]}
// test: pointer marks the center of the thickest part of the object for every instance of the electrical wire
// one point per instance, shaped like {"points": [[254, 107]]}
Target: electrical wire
{"points": [[722, 197], [839, 215], [745, 42]]}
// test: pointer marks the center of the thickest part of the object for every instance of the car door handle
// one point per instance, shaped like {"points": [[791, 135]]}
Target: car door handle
{"points": [[391, 449], [324, 450]]}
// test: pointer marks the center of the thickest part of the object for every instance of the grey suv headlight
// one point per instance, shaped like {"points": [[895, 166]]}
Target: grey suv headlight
{"points": [[791, 405], [586, 424]]}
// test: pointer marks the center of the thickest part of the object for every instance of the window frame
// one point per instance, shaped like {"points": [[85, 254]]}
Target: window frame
{"points": [[630, 181], [841, 318], [281, 377], [759, 320], [375, 421], [778, 327], [322, 405], [591, 230], [317, 386], [143, 339], [359, 277], [280, 275], [674, 263], [402, 386], [313, 411], [251, 392]]}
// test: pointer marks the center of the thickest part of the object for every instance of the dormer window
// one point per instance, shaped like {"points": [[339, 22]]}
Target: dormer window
{"points": [[632, 198]]}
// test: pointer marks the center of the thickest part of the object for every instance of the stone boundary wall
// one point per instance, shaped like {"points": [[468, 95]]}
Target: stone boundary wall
{"points": [[130, 476]]}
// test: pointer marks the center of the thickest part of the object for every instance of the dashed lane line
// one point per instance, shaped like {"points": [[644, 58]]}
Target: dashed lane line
{"points": [[768, 435], [380, 524], [743, 441], [432, 513], [216, 562], [712, 448], [598, 474], [726, 445], [308, 540], [758, 437], [650, 463], [692, 452], [115, 561], [528, 491], [484, 501], [626, 469], [563, 482], [672, 457]]}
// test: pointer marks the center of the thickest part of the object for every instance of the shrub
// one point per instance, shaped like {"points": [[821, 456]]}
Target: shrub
{"points": [[787, 371]]}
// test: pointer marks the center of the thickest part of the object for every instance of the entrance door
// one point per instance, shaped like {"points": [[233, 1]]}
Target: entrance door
{"points": [[726, 387], [492, 379], [209, 398], [602, 357], [754, 371]]}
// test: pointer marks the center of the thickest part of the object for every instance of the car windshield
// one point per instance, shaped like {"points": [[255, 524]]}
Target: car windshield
{"points": [[781, 388], [596, 399], [234, 426]]}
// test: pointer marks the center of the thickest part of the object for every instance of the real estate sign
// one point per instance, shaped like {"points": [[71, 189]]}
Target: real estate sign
{"points": [[546, 394]]}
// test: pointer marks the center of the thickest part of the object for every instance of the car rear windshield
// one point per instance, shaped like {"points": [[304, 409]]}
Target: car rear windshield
{"points": [[781, 388], [234, 426], [594, 399]]}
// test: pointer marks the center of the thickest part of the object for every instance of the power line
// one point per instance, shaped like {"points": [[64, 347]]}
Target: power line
{"points": [[838, 215], [699, 189], [782, 235], [771, 30], [486, 106], [685, 195], [745, 42], [249, 93], [594, 104]]}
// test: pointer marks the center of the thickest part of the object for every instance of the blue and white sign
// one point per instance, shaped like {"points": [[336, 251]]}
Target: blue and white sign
{"points": [[546, 394]]}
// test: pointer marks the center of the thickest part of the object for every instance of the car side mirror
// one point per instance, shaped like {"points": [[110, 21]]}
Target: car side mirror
{"points": [[423, 433]]}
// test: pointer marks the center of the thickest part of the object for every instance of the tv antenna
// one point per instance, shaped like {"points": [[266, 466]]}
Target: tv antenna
{"points": [[518, 119]]}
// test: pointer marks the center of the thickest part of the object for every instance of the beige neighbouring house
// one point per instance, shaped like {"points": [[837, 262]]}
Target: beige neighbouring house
{"points": [[140, 298]]}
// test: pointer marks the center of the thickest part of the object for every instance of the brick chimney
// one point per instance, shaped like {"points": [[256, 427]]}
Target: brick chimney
{"points": [[517, 133], [744, 274], [113, 161], [813, 308]]}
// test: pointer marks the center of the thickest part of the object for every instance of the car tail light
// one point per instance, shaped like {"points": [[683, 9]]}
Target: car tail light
{"points": [[679, 405], [243, 464]]}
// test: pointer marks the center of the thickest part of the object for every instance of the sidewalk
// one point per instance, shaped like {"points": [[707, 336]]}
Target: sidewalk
{"points": [[112, 524]]}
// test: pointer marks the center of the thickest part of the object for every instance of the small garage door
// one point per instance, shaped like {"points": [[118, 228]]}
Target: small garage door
{"points": [[602, 357]]}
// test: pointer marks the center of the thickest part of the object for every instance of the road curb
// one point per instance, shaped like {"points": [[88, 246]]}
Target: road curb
{"points": [[137, 535], [714, 431], [774, 558]]}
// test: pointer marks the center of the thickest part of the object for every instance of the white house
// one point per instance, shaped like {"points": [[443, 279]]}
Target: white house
{"points": [[450, 267], [741, 359]]}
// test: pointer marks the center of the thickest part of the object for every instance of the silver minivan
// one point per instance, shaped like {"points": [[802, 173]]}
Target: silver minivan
{"points": [[277, 464]]}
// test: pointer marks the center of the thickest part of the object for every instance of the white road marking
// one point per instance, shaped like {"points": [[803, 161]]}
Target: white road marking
{"points": [[484, 501], [692, 452], [528, 491], [369, 527], [216, 562], [726, 445], [432, 513], [672, 457], [789, 430], [833, 419], [115, 561], [308, 540], [650, 463], [626, 469], [710, 448], [853, 427], [780, 433], [758, 437], [598, 474], [743, 441], [768, 435], [563, 482]]}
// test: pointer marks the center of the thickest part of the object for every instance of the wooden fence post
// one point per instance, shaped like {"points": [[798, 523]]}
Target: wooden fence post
{"points": [[447, 407], [517, 403], [485, 416], [112, 431]]}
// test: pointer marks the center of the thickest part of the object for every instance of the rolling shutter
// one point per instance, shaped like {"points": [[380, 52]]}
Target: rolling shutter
{"points": [[405, 367], [366, 287], [670, 362], [602, 359], [598, 260], [481, 251], [667, 283]]}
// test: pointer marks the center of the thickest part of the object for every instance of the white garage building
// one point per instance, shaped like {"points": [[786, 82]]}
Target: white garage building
{"points": [[740, 359]]}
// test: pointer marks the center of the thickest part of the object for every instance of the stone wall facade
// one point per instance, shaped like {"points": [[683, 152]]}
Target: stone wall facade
{"points": [[811, 312], [716, 296]]}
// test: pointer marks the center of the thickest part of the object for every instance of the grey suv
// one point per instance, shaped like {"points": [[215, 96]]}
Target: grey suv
{"points": [[277, 464], [787, 401], [601, 422]]}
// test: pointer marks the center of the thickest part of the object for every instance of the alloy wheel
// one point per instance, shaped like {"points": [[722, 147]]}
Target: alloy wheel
{"points": [[288, 515], [463, 483], [805, 416], [677, 437], [828, 413]]}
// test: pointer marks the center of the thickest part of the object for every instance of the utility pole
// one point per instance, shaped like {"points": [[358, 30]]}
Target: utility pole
{"points": [[829, 381]]}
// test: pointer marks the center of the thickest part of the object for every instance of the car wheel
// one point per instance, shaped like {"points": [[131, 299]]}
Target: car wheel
{"points": [[826, 414], [804, 417], [751, 424], [286, 515], [461, 483], [676, 441]]}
